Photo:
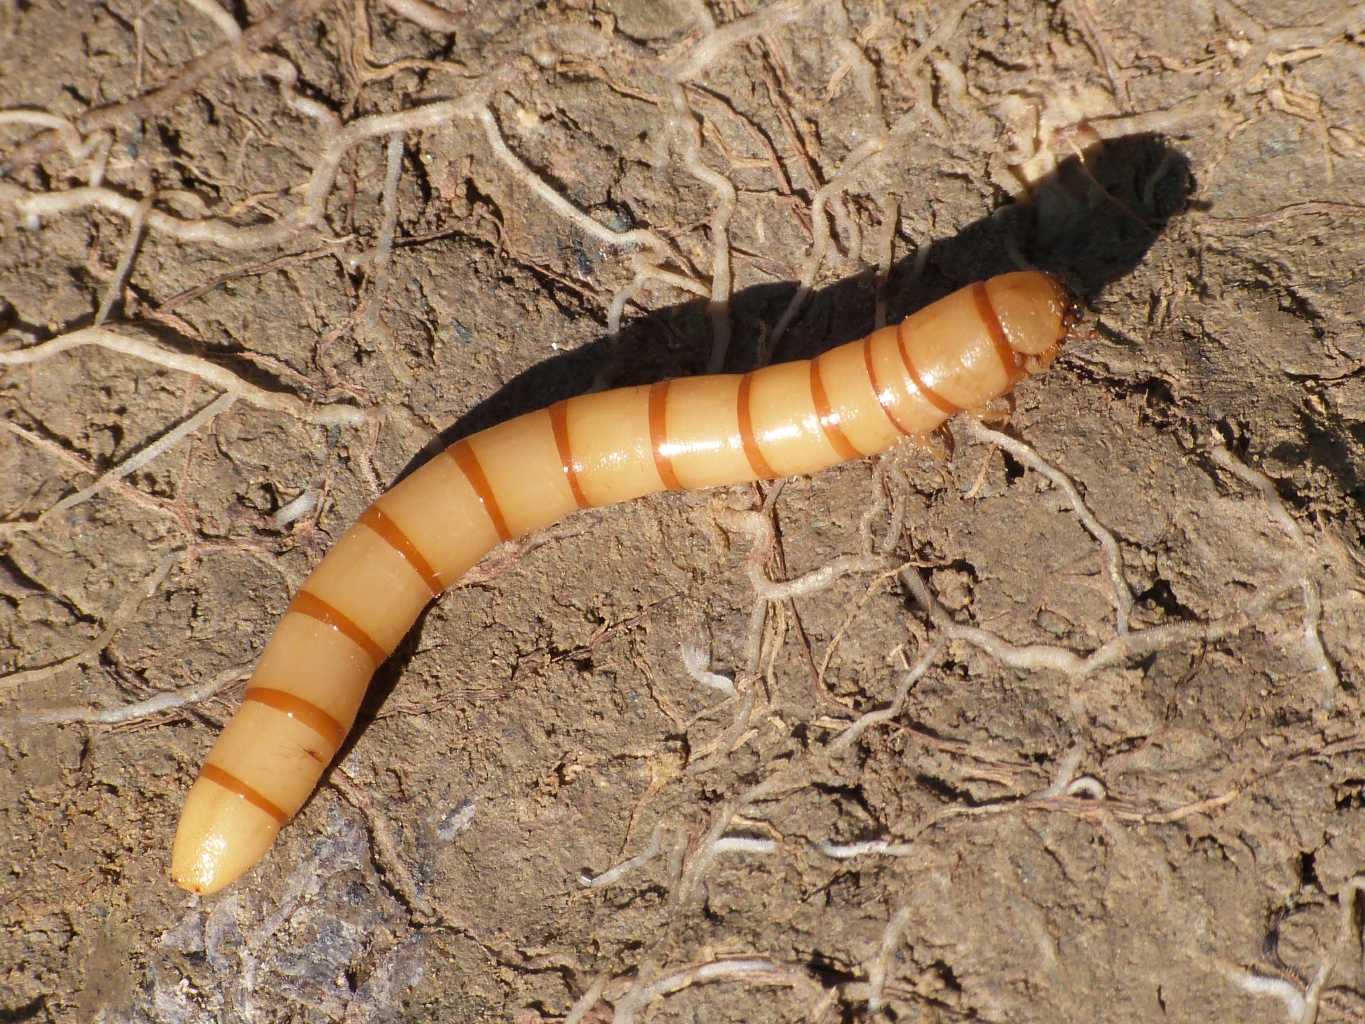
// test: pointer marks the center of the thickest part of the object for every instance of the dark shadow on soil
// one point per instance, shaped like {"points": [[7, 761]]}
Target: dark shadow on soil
{"points": [[1090, 222]]}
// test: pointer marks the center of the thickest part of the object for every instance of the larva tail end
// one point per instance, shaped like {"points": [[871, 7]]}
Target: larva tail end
{"points": [[219, 838]]}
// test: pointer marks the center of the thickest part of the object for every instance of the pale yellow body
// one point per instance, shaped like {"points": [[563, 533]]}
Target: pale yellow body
{"points": [[421, 536]]}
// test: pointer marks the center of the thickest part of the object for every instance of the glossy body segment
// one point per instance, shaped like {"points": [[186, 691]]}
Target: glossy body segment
{"points": [[704, 439], [598, 449]]}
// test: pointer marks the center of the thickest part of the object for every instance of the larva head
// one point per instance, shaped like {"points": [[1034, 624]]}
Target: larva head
{"points": [[1035, 310], [219, 838]]}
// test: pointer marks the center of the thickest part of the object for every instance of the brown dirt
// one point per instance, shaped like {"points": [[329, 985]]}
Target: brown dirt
{"points": [[540, 725]]}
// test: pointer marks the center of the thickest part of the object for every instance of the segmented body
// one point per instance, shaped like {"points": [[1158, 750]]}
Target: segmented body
{"points": [[423, 534]]}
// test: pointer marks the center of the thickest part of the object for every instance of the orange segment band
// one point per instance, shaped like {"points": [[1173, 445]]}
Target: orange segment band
{"points": [[469, 465], [828, 418], [304, 711], [316, 608], [746, 432], [232, 784], [658, 435], [984, 308], [559, 424], [930, 395], [390, 531], [884, 398]]}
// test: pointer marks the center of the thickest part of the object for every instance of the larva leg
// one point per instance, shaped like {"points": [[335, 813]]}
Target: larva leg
{"points": [[421, 536]]}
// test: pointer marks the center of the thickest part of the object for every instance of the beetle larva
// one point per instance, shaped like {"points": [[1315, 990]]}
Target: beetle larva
{"points": [[596, 449]]}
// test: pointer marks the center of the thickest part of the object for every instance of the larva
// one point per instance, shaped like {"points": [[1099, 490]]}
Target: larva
{"points": [[597, 449]]}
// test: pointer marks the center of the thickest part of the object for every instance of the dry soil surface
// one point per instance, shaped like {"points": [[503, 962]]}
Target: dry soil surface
{"points": [[1060, 718]]}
